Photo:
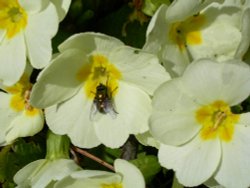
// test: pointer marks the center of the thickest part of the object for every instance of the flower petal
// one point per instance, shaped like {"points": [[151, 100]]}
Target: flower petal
{"points": [[33, 6], [194, 162], [38, 39], [111, 132], [13, 59], [173, 119], [147, 139], [134, 105], [245, 39], [90, 42], [182, 9], [88, 178], [220, 35], [58, 81], [46, 172], [21, 177], [72, 117], [6, 115], [234, 170], [62, 7], [135, 66], [157, 26], [24, 125], [132, 177], [209, 81]]}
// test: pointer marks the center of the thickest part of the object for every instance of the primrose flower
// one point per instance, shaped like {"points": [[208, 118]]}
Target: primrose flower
{"points": [[126, 176], [45, 172], [97, 90], [200, 135], [18, 118], [189, 30], [26, 30]]}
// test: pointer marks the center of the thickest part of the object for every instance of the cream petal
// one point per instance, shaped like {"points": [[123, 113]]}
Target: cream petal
{"points": [[245, 39], [33, 6], [39, 174], [58, 81], [147, 139], [209, 81], [38, 39], [72, 117], [13, 59], [136, 65], [112, 132], [234, 170], [6, 115], [220, 34], [173, 117], [90, 42], [132, 177], [88, 178], [21, 177], [179, 10], [156, 30], [194, 163], [62, 7], [24, 125]]}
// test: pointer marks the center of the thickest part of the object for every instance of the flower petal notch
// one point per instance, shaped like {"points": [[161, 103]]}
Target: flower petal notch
{"points": [[200, 136]]}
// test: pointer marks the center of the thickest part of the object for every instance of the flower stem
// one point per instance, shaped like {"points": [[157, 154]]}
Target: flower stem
{"points": [[87, 154]]}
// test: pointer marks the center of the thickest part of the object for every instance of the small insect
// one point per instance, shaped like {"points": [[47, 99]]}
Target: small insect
{"points": [[103, 102]]}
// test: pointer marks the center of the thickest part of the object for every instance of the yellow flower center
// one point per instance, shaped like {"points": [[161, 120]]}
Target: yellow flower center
{"points": [[188, 31], [113, 185], [20, 96], [217, 121], [99, 70], [13, 17]]}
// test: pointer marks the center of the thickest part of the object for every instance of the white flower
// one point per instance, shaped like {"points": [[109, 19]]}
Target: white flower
{"points": [[26, 29], [18, 118], [124, 78], [44, 172], [201, 137], [126, 176], [189, 30]]}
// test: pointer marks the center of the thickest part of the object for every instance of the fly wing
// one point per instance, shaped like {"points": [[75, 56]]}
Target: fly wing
{"points": [[94, 113], [109, 108]]}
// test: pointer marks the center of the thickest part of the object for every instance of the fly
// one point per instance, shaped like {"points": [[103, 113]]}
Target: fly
{"points": [[103, 102]]}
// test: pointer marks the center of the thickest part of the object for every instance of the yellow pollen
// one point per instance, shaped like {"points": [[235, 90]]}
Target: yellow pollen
{"points": [[217, 121], [99, 70], [13, 17], [113, 185], [188, 31], [20, 96]]}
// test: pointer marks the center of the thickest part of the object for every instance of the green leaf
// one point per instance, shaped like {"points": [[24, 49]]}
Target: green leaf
{"points": [[148, 165], [14, 157]]}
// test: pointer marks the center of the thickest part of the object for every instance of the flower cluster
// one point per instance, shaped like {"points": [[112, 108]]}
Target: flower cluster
{"points": [[178, 93]]}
